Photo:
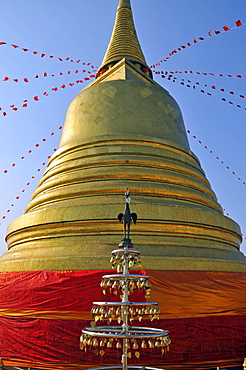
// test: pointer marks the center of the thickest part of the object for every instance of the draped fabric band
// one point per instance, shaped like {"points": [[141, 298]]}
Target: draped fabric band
{"points": [[43, 313]]}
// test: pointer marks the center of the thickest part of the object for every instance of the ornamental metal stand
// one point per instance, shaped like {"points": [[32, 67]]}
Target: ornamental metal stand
{"points": [[125, 337]]}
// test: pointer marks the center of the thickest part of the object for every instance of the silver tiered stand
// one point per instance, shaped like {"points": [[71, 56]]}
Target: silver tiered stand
{"points": [[125, 337]]}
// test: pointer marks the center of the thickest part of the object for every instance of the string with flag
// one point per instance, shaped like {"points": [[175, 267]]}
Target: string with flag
{"points": [[196, 40]]}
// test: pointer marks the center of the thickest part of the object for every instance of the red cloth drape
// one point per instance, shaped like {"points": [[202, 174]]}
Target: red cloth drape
{"points": [[43, 313]]}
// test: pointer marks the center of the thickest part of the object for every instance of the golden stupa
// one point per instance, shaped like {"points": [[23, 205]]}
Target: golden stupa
{"points": [[125, 131]]}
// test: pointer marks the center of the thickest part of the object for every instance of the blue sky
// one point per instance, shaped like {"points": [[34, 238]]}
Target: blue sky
{"points": [[81, 30]]}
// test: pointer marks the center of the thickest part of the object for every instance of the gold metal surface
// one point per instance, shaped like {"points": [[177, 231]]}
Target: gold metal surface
{"points": [[123, 130], [124, 42]]}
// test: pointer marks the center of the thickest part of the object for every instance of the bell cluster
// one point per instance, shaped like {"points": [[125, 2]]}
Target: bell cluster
{"points": [[109, 285], [134, 346], [121, 257], [111, 313]]}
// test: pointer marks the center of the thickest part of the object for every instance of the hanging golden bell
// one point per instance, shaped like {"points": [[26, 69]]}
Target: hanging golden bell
{"points": [[137, 354], [135, 345], [143, 344], [109, 345], [118, 345], [157, 343], [89, 342], [151, 344], [129, 355], [102, 343], [95, 343]]}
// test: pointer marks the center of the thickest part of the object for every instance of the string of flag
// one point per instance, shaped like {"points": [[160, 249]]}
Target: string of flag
{"points": [[198, 73], [45, 74], [210, 33], [45, 93], [37, 145], [42, 55], [194, 85], [17, 197], [218, 158]]}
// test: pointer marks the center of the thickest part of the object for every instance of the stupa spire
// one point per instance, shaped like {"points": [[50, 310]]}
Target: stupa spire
{"points": [[124, 41]]}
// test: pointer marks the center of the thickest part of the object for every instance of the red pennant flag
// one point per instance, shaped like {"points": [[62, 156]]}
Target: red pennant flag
{"points": [[60, 127], [201, 38], [1, 108], [24, 105], [86, 78], [216, 32], [51, 56], [15, 108], [37, 145], [43, 139], [239, 76], [15, 80], [241, 96], [232, 92], [6, 79], [24, 101], [63, 86], [45, 74], [13, 164], [61, 73], [60, 59], [238, 23], [17, 197], [195, 41], [54, 89], [35, 52], [209, 33], [225, 28], [5, 171], [68, 72], [4, 113], [71, 84], [42, 55], [36, 98], [213, 87], [36, 76], [67, 58], [2, 43], [25, 79], [12, 106], [76, 71], [29, 151], [45, 93], [25, 49], [78, 61], [15, 46]]}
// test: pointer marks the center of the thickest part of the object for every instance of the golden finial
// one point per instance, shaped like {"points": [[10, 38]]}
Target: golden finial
{"points": [[124, 42]]}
